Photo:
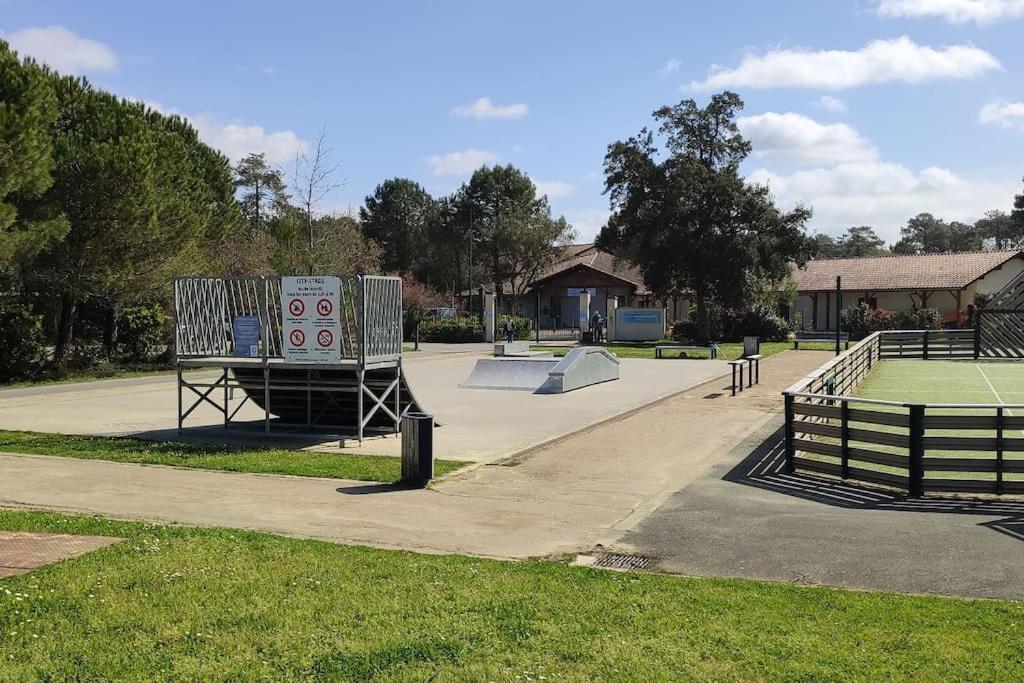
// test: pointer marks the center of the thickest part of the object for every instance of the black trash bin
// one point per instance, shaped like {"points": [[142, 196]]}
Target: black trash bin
{"points": [[417, 448]]}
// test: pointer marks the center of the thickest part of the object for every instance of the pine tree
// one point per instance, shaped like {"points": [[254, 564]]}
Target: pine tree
{"points": [[263, 191]]}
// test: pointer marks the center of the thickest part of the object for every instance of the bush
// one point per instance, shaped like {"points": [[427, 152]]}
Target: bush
{"points": [[860, 321], [918, 319], [451, 330], [22, 342], [417, 299], [524, 326], [140, 331], [734, 324]]}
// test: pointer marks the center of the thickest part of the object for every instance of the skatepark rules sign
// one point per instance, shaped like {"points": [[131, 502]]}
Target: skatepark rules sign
{"points": [[311, 319]]}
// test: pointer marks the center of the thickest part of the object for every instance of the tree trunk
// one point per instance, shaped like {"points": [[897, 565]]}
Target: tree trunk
{"points": [[110, 332], [703, 319], [65, 329]]}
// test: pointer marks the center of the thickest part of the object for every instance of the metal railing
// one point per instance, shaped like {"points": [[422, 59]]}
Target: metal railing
{"points": [[205, 309], [915, 446]]}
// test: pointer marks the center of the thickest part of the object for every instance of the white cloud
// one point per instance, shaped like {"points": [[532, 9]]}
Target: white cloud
{"points": [[236, 140], [954, 11], [832, 104], [461, 162], [63, 50], [795, 137], [483, 108], [588, 223], [554, 189], [671, 66], [1004, 114], [899, 59], [884, 195]]}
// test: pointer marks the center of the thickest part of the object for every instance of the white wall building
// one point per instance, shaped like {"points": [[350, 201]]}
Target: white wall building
{"points": [[947, 282]]}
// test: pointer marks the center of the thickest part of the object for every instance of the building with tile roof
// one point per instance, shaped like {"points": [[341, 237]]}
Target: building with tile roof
{"points": [[948, 282]]}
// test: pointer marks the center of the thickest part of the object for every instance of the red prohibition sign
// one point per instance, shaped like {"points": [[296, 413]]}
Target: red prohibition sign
{"points": [[324, 307], [324, 338], [296, 307], [298, 338]]}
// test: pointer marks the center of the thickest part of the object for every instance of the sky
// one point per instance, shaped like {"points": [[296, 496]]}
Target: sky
{"points": [[868, 111]]}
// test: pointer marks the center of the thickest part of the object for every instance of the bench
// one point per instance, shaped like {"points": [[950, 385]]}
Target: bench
{"points": [[751, 358], [712, 349], [844, 338]]}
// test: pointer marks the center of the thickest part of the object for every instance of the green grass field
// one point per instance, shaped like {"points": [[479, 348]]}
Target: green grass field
{"points": [[938, 381], [728, 350], [209, 456], [177, 603]]}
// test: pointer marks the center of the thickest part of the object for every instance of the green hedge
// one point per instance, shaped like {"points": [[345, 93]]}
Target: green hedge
{"points": [[468, 329]]}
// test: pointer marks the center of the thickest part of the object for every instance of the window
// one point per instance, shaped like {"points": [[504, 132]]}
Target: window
{"points": [[871, 301]]}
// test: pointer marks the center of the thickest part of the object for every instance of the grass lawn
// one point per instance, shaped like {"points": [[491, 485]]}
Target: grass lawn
{"points": [[203, 604], [213, 456], [728, 350]]}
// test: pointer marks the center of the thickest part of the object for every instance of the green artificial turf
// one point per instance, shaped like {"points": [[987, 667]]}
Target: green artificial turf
{"points": [[173, 603], [209, 456], [727, 350], [943, 381]]}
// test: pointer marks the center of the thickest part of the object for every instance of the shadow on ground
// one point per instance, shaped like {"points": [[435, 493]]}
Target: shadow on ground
{"points": [[764, 469]]}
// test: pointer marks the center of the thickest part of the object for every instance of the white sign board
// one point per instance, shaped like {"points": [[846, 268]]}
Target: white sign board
{"points": [[311, 319]]}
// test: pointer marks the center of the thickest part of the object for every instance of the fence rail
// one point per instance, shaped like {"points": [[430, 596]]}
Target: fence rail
{"points": [[902, 444]]}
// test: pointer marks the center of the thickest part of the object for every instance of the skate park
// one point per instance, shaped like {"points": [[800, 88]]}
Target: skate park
{"points": [[224, 397]]}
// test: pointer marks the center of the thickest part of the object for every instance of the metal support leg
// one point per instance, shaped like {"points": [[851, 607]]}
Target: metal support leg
{"points": [[398, 397], [266, 400], [359, 403], [309, 399], [227, 412], [181, 420]]}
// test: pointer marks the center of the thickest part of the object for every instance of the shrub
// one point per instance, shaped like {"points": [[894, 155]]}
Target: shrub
{"points": [[860, 321], [417, 299], [451, 330], [760, 322], [524, 326], [22, 342], [733, 324], [918, 319], [140, 331]]}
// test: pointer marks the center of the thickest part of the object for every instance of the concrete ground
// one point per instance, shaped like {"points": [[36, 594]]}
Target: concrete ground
{"points": [[568, 496], [478, 424], [744, 517]]}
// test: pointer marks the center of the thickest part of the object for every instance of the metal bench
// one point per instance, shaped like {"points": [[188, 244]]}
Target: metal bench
{"points": [[844, 338], [712, 349], [751, 358]]}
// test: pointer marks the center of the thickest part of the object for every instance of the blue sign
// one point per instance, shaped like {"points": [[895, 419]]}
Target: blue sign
{"points": [[651, 317], [246, 332]]}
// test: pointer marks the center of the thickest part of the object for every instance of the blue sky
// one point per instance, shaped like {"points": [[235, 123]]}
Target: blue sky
{"points": [[868, 111]]}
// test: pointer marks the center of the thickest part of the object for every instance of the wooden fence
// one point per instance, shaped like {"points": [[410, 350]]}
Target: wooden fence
{"points": [[917, 447]]}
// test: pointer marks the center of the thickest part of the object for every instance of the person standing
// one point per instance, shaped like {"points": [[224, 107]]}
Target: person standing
{"points": [[510, 330]]}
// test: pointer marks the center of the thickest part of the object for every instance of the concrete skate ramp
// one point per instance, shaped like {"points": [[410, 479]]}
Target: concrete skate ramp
{"points": [[336, 409], [579, 368], [511, 373]]}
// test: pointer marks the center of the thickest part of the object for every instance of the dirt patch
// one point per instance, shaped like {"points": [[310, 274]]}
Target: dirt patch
{"points": [[21, 552]]}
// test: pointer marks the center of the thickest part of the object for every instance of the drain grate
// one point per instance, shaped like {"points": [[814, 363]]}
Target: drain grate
{"points": [[623, 561]]}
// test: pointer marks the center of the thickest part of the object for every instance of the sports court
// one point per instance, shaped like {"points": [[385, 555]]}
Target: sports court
{"points": [[941, 381]]}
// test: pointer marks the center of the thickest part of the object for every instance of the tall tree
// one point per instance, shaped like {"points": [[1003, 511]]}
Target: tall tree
{"points": [[688, 219], [139, 192], [28, 109], [512, 231], [314, 179], [1017, 217], [997, 228], [398, 216], [262, 191], [926, 234], [862, 241]]}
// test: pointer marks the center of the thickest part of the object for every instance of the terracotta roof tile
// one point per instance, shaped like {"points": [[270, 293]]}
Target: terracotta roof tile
{"points": [[900, 272]]}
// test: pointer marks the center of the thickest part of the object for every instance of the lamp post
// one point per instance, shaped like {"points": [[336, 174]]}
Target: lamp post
{"points": [[839, 310]]}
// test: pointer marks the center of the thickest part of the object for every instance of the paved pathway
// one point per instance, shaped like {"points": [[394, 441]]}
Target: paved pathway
{"points": [[565, 497], [744, 517]]}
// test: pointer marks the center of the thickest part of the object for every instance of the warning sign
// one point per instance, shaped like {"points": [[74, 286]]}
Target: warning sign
{"points": [[310, 319]]}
